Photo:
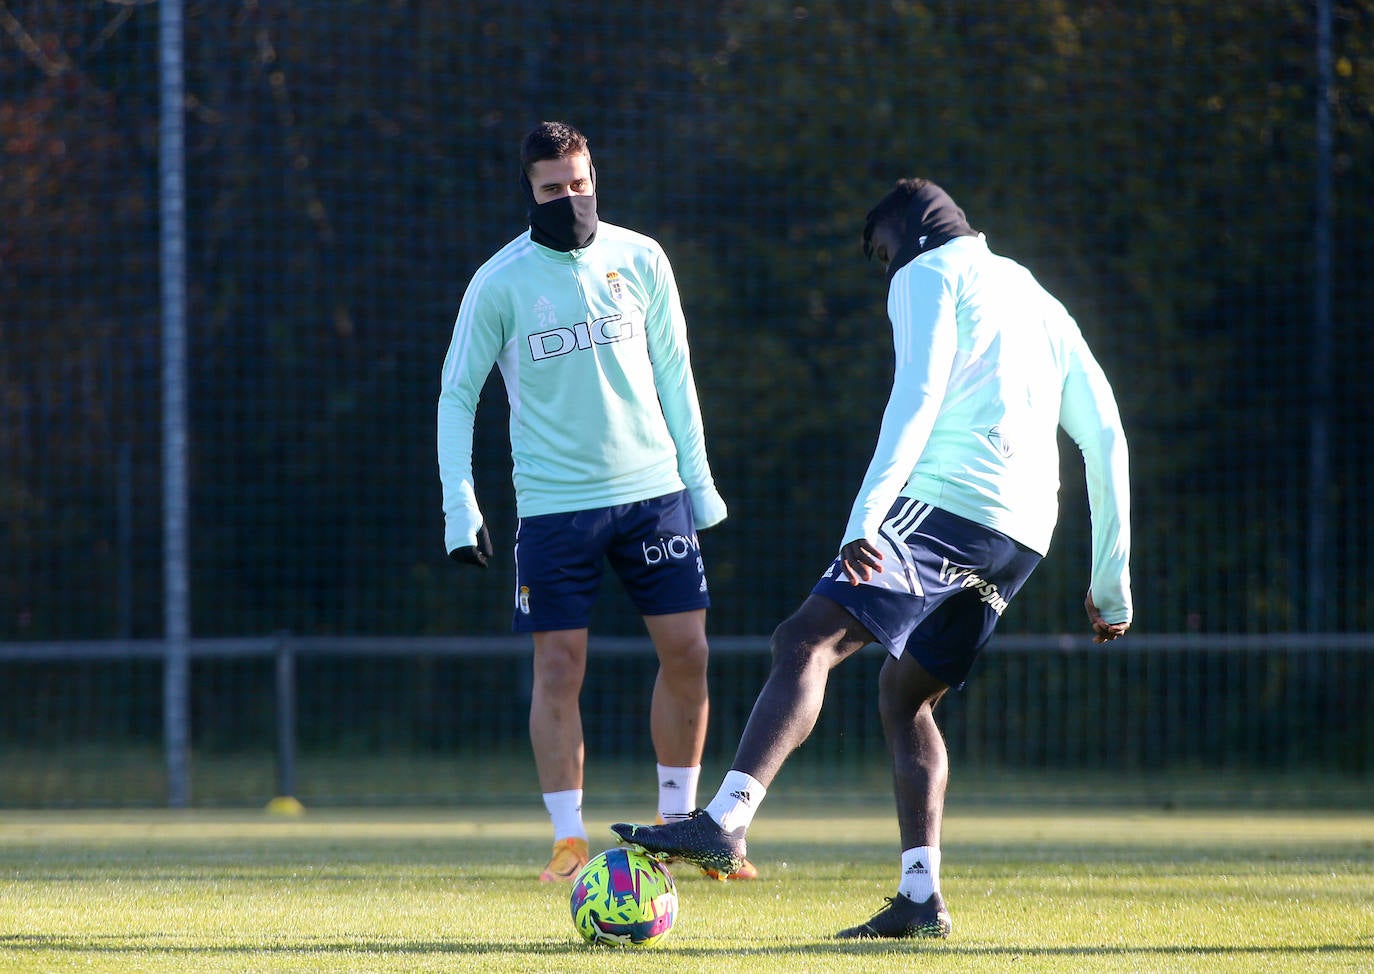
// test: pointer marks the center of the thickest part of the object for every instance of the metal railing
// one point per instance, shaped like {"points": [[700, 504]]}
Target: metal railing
{"points": [[1150, 702]]}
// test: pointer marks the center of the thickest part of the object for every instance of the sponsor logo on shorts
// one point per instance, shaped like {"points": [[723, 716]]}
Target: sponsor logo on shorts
{"points": [[678, 547], [965, 578]]}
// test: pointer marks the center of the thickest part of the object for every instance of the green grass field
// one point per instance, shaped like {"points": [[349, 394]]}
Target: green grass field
{"points": [[1032, 889]]}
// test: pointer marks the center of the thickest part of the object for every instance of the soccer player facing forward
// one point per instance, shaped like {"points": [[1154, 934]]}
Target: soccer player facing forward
{"points": [[609, 461], [956, 509]]}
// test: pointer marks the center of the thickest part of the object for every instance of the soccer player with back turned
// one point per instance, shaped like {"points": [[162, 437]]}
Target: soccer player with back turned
{"points": [[955, 511], [584, 322]]}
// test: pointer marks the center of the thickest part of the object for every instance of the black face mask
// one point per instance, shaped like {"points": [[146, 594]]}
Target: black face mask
{"points": [[567, 223]]}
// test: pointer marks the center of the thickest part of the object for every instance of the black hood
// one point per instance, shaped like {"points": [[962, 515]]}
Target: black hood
{"points": [[932, 218]]}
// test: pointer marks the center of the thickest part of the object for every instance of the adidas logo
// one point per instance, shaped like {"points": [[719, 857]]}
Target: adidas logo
{"points": [[917, 868], [742, 796], [670, 784]]}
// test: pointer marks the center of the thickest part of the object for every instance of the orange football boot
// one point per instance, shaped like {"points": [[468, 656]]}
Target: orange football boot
{"points": [[569, 856]]}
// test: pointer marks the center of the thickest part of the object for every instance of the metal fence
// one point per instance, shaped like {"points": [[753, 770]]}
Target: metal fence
{"points": [[372, 720], [233, 238]]}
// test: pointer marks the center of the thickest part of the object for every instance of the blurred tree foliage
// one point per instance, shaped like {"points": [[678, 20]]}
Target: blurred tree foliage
{"points": [[351, 163]]}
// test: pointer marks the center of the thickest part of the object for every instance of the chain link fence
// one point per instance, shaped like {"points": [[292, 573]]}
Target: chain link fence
{"points": [[1195, 180]]}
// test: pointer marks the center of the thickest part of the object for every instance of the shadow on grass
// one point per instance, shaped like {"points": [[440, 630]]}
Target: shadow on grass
{"points": [[115, 944]]}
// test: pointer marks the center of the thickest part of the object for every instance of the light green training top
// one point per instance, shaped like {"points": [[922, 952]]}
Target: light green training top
{"points": [[592, 346], [989, 366]]}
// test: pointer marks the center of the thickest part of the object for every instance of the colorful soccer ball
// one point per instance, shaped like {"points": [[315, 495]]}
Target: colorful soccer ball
{"points": [[623, 898]]}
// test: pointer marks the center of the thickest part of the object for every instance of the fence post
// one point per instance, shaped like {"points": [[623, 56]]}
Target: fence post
{"points": [[1319, 618], [176, 573], [285, 801]]}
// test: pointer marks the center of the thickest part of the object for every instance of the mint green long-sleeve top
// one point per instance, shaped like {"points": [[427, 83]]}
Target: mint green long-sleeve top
{"points": [[592, 346], [988, 367]]}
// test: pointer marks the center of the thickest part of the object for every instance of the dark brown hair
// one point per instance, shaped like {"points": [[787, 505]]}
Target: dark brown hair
{"points": [[551, 140]]}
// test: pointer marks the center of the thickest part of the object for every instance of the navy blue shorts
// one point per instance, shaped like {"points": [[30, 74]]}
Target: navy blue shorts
{"points": [[651, 545], [945, 582]]}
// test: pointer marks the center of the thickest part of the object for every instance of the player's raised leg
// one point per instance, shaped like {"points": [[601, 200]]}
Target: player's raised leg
{"points": [[560, 663], [805, 648]]}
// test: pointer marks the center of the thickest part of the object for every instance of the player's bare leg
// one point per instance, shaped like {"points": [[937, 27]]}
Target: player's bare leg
{"points": [[805, 647], [560, 664], [907, 695], [681, 704]]}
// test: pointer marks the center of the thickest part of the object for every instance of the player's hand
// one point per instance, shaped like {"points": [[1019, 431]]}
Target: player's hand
{"points": [[860, 560], [474, 554], [1103, 632]]}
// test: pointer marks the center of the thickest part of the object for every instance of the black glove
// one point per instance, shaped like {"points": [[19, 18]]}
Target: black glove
{"points": [[474, 554]]}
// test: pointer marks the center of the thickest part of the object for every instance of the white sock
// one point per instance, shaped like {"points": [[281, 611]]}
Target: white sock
{"points": [[739, 797], [920, 873], [565, 811], [677, 791]]}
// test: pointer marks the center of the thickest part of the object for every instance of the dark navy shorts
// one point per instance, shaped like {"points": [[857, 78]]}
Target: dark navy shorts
{"points": [[651, 545], [945, 582]]}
